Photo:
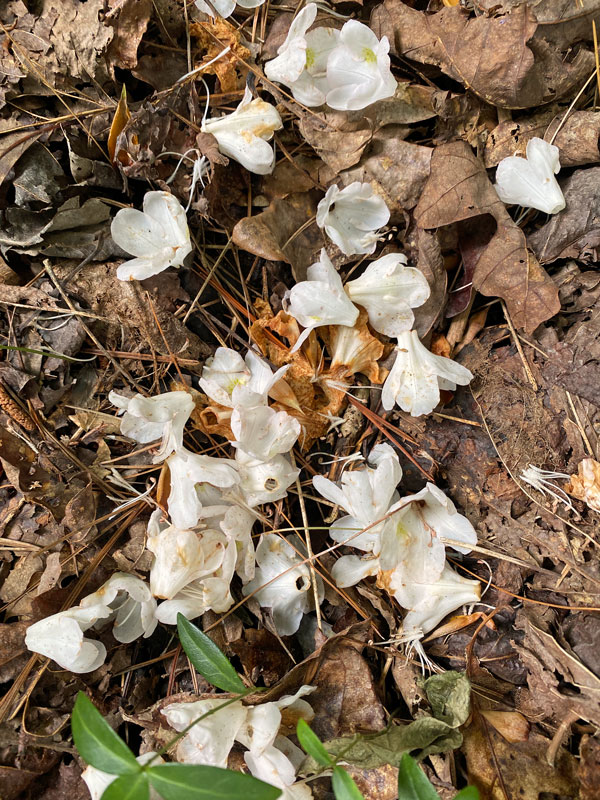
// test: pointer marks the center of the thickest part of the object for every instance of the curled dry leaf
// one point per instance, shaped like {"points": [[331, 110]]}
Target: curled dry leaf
{"points": [[462, 47], [586, 484], [212, 37], [459, 189]]}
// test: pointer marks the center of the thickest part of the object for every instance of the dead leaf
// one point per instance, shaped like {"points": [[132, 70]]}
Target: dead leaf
{"points": [[338, 137], [459, 189], [462, 46], [511, 725], [129, 20], [120, 119], [212, 37], [586, 484], [589, 768]]}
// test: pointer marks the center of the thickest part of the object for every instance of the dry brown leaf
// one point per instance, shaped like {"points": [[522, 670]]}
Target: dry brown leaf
{"points": [[463, 47], [511, 725], [129, 20], [459, 189], [212, 37], [586, 484], [589, 768]]}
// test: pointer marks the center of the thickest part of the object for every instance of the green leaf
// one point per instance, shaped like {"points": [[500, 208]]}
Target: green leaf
{"points": [[128, 787], [192, 782], [96, 741], [468, 793], [206, 657], [344, 787], [312, 744], [449, 696], [413, 784]]}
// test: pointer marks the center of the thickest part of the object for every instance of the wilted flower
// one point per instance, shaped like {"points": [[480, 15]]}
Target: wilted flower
{"points": [[158, 236], [227, 369], [301, 63], [352, 217], [97, 781], [186, 470], [225, 8], [530, 181], [320, 300], [389, 289], [275, 767], [288, 579], [131, 604], [264, 481], [586, 484], [181, 556], [259, 430], [358, 69], [60, 637], [245, 133], [417, 376], [146, 419]]}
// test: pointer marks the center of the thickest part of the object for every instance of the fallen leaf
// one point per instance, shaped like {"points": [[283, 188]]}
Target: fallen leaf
{"points": [[511, 725], [589, 768], [213, 37], [459, 189], [129, 20]]}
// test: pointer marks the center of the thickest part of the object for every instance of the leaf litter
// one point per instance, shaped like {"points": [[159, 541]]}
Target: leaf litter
{"points": [[513, 298]]}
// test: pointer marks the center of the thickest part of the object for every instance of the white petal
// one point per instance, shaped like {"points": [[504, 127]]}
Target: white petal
{"points": [[264, 482], [530, 181], [209, 741], [351, 217], [136, 233], [223, 7], [349, 570]]}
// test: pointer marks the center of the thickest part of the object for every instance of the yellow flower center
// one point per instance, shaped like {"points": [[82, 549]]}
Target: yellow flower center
{"points": [[310, 57], [369, 56]]}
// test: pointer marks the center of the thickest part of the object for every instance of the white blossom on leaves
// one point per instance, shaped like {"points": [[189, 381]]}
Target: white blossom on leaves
{"points": [[244, 134], [530, 181], [281, 583], [352, 217], [146, 419], [417, 376], [158, 236], [358, 69]]}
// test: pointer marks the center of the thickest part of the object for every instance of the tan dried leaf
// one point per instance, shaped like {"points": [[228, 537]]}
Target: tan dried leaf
{"points": [[213, 37], [586, 484]]}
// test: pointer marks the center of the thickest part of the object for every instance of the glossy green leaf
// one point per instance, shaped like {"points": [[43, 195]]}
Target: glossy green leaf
{"points": [[468, 793], [312, 744], [96, 741], [413, 784], [206, 657], [128, 787], [344, 787], [197, 782]]}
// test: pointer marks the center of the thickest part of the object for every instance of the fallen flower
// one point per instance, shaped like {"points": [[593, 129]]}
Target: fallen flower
{"points": [[97, 781], [389, 290], [358, 69], [227, 369], [530, 181], [417, 376], [301, 63], [586, 484], [282, 583], [245, 133], [131, 604], [158, 236], [352, 217], [146, 419], [264, 481], [225, 8], [320, 300]]}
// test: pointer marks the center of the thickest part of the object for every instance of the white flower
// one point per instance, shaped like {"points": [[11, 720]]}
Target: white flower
{"points": [[417, 376], [60, 637], [274, 767], [287, 592], [227, 369], [97, 781], [211, 593], [158, 236], [358, 69], [388, 290], [302, 60], [530, 181], [245, 133], [320, 300], [186, 470], [264, 481], [259, 430], [352, 217], [225, 8], [131, 604], [181, 556], [149, 418], [210, 740]]}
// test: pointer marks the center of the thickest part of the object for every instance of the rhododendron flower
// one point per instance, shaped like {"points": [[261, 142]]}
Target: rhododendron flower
{"points": [[181, 556], [186, 470], [358, 69], [227, 369], [282, 583], [158, 236], [97, 781], [417, 376], [131, 604], [60, 637], [320, 300], [244, 134], [389, 289], [274, 767], [530, 181], [259, 430], [226, 7], [264, 481], [146, 419], [352, 217], [301, 63]]}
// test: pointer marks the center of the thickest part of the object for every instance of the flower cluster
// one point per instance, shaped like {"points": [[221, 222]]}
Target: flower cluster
{"points": [[403, 541], [347, 69]]}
